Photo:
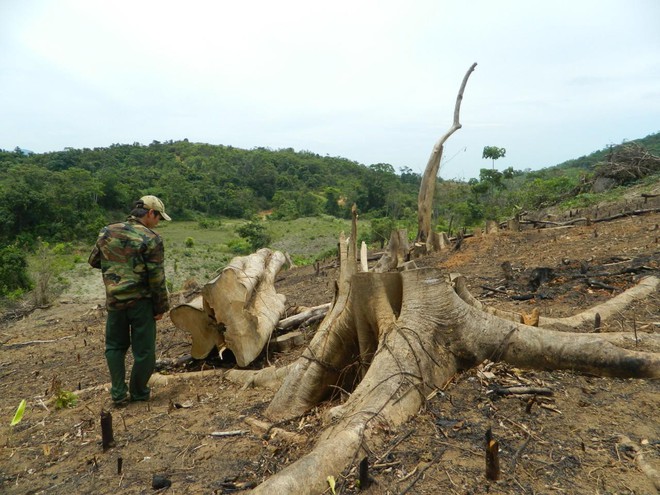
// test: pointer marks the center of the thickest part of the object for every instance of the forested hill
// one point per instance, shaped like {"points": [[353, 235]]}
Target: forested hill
{"points": [[68, 195], [51, 193]]}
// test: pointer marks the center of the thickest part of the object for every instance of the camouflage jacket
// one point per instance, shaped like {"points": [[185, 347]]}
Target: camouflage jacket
{"points": [[131, 258]]}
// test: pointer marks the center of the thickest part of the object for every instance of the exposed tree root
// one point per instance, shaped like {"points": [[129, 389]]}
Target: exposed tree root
{"points": [[391, 339], [606, 310], [649, 471], [270, 378]]}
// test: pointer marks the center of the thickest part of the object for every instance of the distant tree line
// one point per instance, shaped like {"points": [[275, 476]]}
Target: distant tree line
{"points": [[68, 195]]}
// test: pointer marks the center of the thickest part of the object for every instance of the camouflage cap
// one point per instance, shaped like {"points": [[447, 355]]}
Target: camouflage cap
{"points": [[153, 203]]}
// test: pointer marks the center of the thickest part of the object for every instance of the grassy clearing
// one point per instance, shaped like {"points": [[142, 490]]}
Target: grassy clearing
{"points": [[307, 239], [193, 250], [200, 250]]}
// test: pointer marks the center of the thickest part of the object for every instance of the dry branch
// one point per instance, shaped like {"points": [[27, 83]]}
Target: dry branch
{"points": [[302, 317], [271, 431], [32, 342], [429, 179]]}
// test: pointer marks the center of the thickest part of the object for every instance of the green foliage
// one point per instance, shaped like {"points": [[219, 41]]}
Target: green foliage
{"points": [[189, 242], [71, 194], [62, 248], [381, 230], [494, 153], [333, 201], [68, 196], [206, 223], [239, 246], [14, 279], [540, 193], [65, 399], [255, 234], [18, 416]]}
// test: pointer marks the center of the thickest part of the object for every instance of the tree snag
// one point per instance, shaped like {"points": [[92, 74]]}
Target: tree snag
{"points": [[390, 340], [429, 179]]}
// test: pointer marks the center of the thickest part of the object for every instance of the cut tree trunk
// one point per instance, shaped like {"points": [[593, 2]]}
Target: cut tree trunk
{"points": [[205, 331], [238, 309], [391, 339], [397, 253]]}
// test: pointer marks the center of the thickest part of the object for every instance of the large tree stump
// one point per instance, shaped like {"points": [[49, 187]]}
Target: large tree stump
{"points": [[392, 338], [206, 333]]}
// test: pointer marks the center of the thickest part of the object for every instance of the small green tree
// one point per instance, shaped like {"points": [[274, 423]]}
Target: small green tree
{"points": [[381, 230], [255, 234], [493, 152]]}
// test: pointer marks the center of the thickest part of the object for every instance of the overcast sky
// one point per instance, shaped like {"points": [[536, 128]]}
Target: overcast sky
{"points": [[372, 81]]}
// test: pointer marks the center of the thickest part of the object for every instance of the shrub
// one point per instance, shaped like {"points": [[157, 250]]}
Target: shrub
{"points": [[14, 279], [239, 246], [206, 223], [62, 248], [255, 234], [65, 399], [381, 230]]}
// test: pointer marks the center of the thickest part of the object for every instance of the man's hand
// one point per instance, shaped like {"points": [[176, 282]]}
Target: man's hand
{"points": [[158, 317]]}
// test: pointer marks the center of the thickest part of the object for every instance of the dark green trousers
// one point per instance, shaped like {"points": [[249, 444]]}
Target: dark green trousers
{"points": [[133, 327]]}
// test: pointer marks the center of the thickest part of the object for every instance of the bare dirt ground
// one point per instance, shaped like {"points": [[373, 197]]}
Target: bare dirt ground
{"points": [[567, 443]]}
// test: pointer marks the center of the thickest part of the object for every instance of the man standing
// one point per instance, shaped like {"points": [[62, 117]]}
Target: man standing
{"points": [[131, 258]]}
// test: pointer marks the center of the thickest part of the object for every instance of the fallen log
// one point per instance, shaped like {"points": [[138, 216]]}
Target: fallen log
{"points": [[238, 309], [587, 220]]}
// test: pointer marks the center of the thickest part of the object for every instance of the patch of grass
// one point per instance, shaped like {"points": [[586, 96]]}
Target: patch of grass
{"points": [[305, 239]]}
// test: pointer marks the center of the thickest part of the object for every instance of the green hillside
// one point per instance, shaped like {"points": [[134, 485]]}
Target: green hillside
{"points": [[650, 142], [66, 197]]}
